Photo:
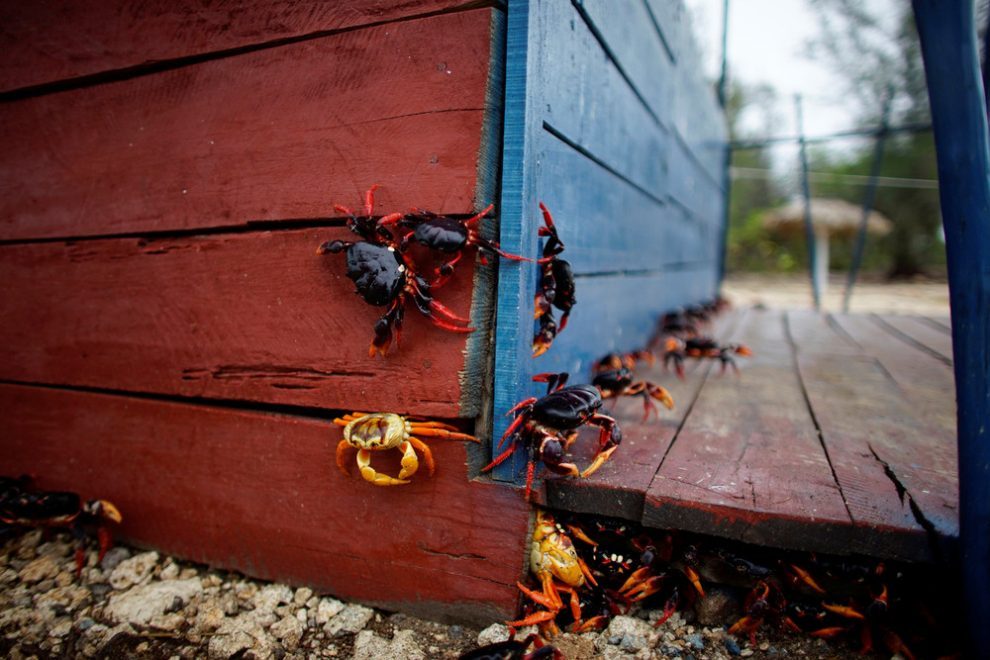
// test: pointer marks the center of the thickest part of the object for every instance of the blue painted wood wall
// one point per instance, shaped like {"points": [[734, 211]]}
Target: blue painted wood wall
{"points": [[610, 122]]}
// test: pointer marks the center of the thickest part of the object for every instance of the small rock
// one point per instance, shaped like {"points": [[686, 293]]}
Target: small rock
{"points": [[7, 576], [114, 556], [84, 624], [575, 646], [169, 622], [327, 609], [188, 573], [303, 594], [404, 646], [302, 615], [765, 646], [170, 572], [289, 631], [238, 634], [245, 590], [42, 568], [696, 641], [313, 602], [369, 646], [209, 617], [141, 604], [493, 634], [719, 607], [133, 571], [68, 598], [630, 632], [351, 619], [212, 580], [731, 646], [746, 652], [61, 628]]}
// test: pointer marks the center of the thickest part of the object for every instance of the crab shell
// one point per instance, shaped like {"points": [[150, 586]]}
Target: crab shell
{"points": [[377, 432], [553, 552]]}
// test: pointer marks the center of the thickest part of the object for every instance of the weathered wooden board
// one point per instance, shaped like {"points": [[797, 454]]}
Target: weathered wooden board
{"points": [[605, 221], [619, 487], [48, 41], [894, 468], [260, 493], [925, 381], [255, 316], [278, 134], [748, 463], [574, 113], [919, 334]]}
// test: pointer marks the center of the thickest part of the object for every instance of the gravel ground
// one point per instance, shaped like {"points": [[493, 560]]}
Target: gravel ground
{"points": [[143, 605]]}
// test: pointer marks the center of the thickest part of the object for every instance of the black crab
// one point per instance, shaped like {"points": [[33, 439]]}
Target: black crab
{"points": [[385, 277], [556, 288], [548, 425]]}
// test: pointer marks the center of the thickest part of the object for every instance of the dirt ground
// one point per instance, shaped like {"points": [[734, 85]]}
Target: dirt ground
{"points": [[923, 296]]}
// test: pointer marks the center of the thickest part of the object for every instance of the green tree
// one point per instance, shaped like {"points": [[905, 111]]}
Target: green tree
{"points": [[878, 62]]}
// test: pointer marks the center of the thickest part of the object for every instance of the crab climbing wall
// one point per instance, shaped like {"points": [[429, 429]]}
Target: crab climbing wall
{"points": [[610, 123], [170, 340]]}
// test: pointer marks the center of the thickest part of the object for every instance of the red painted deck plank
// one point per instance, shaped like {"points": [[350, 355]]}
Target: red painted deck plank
{"points": [[256, 317], [619, 487], [935, 341], [260, 493], [926, 382], [874, 405], [281, 133], [47, 40], [748, 463], [872, 431]]}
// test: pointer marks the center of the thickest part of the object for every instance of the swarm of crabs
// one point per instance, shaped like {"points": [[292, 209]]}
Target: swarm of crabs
{"points": [[586, 569]]}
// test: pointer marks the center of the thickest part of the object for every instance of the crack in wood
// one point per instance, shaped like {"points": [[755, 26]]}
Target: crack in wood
{"points": [[265, 371], [907, 339]]}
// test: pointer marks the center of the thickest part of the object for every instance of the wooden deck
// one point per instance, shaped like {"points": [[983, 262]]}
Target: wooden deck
{"points": [[838, 436]]}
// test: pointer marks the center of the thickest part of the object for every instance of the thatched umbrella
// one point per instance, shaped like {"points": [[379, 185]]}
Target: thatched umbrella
{"points": [[829, 217]]}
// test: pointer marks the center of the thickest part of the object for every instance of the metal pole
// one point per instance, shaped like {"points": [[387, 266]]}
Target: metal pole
{"points": [[959, 115], [806, 191], [868, 198], [727, 156], [723, 77]]}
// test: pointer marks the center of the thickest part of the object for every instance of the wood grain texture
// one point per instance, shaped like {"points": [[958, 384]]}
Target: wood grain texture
{"points": [[925, 381], [748, 463], [260, 493], [574, 114], [48, 41], [895, 468], [277, 134], [920, 335], [254, 317], [619, 487]]}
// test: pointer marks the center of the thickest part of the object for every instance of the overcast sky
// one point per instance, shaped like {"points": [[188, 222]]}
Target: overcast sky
{"points": [[768, 44]]}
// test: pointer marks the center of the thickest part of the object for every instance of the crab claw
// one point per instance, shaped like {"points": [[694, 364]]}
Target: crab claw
{"points": [[745, 351], [108, 511]]}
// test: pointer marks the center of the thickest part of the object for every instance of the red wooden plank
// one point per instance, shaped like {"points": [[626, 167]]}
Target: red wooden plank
{"points": [[916, 333], [282, 133], [618, 488], [748, 463], [259, 493], [926, 381], [877, 444], [47, 40], [255, 316]]}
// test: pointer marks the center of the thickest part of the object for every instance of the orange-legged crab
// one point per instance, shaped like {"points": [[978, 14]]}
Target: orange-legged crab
{"points": [[368, 432], [556, 564]]}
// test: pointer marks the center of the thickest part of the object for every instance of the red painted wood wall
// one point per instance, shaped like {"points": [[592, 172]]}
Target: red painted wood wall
{"points": [[171, 342]]}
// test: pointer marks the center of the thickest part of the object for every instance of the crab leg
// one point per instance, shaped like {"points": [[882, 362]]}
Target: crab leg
{"points": [[369, 474], [369, 199], [342, 448], [443, 433], [427, 456], [410, 463]]}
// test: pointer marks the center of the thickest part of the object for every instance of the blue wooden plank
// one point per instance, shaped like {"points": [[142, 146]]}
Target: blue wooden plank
{"points": [[585, 98], [516, 283], [605, 221], [959, 118], [580, 138]]}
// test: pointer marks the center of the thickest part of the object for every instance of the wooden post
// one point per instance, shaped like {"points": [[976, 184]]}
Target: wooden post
{"points": [[816, 283], [955, 92]]}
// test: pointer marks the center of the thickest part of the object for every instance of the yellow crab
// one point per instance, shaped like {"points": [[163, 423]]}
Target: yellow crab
{"points": [[368, 432], [552, 558]]}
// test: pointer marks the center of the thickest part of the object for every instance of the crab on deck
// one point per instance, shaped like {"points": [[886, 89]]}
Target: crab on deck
{"points": [[368, 432]]}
